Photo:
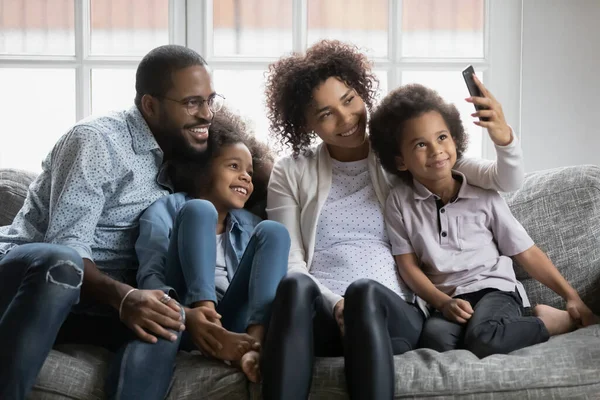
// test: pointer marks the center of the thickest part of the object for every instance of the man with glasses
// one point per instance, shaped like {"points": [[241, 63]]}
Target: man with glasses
{"points": [[67, 262]]}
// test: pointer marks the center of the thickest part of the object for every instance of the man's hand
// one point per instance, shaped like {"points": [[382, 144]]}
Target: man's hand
{"points": [[338, 313], [498, 129], [145, 314], [582, 315], [457, 310]]}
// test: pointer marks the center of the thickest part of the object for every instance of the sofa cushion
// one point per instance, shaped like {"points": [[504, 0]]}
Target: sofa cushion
{"points": [[13, 190], [566, 367]]}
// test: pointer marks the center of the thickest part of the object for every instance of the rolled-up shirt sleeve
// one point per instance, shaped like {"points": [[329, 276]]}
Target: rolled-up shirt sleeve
{"points": [[81, 169]]}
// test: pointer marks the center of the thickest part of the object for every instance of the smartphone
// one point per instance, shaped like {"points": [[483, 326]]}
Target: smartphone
{"points": [[473, 88]]}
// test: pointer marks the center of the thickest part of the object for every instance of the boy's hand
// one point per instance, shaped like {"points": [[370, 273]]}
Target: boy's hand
{"points": [[498, 129], [582, 315], [338, 313], [457, 310]]}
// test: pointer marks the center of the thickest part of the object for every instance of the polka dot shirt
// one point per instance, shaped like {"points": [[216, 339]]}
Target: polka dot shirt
{"points": [[351, 240]]}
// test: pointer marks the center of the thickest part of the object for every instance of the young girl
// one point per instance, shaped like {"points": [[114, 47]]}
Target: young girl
{"points": [[218, 260], [453, 241]]}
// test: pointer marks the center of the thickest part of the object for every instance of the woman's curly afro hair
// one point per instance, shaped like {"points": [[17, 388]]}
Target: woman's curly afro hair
{"points": [[400, 105], [291, 81]]}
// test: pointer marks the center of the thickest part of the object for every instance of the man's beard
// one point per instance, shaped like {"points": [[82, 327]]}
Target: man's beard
{"points": [[174, 144]]}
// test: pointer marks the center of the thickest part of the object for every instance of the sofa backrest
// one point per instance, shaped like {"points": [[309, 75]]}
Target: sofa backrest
{"points": [[560, 209], [13, 190]]}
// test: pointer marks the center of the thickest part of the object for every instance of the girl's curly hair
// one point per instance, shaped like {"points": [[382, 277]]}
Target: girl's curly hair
{"points": [[407, 102], [291, 81], [227, 128]]}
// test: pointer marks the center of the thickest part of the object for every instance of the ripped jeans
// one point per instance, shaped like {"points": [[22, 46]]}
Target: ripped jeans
{"points": [[40, 283]]}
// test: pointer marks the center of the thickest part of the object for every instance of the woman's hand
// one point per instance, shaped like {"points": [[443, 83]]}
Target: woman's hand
{"points": [[498, 129], [338, 313]]}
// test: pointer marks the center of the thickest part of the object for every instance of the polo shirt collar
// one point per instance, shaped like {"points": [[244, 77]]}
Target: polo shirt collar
{"points": [[465, 192]]}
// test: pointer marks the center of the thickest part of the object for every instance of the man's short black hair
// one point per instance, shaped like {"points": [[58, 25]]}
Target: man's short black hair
{"points": [[154, 73]]}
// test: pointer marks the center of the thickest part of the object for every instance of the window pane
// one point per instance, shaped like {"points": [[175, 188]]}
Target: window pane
{"points": [[43, 27], [383, 82], [362, 22], [442, 28], [128, 27], [38, 107], [252, 27], [245, 94], [112, 89], [451, 86]]}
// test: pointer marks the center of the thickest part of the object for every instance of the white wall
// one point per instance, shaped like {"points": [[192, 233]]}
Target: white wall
{"points": [[560, 83]]}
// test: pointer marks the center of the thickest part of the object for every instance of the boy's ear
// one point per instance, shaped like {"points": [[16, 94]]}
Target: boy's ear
{"points": [[400, 164]]}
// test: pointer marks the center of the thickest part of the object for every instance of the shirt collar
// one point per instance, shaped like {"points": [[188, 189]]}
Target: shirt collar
{"points": [[465, 191], [232, 222], [143, 139]]}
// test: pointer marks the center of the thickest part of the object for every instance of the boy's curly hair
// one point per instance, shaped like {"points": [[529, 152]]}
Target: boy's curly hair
{"points": [[227, 128], [291, 81], [407, 102]]}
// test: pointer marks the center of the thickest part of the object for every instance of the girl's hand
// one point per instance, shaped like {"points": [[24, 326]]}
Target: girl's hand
{"points": [[582, 315], [457, 310], [498, 129]]}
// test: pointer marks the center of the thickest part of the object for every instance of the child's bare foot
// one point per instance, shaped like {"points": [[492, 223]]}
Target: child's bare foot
{"points": [[235, 345], [250, 365], [557, 321]]}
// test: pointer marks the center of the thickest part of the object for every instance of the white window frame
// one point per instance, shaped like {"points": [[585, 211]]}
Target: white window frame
{"points": [[501, 61], [83, 62]]}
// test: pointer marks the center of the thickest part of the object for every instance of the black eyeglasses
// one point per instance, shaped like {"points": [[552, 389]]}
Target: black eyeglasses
{"points": [[193, 104]]}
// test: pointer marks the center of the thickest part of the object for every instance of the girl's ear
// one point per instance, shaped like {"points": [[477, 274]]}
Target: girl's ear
{"points": [[400, 163]]}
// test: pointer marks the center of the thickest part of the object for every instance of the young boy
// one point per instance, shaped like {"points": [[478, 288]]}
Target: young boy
{"points": [[452, 241]]}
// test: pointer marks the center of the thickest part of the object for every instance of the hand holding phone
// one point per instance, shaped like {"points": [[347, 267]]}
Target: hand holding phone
{"points": [[488, 109], [474, 90]]}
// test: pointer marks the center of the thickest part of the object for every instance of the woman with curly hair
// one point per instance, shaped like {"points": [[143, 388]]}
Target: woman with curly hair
{"points": [[343, 294]]}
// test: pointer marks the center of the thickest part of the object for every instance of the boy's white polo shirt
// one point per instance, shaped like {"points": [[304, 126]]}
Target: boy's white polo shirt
{"points": [[469, 249]]}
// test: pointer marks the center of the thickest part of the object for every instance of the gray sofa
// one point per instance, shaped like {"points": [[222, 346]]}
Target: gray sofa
{"points": [[561, 210]]}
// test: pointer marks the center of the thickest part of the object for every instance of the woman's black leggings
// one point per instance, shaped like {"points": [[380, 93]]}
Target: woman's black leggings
{"points": [[378, 324]]}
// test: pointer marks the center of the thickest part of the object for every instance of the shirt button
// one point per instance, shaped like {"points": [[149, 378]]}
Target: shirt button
{"points": [[444, 234], [443, 210]]}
